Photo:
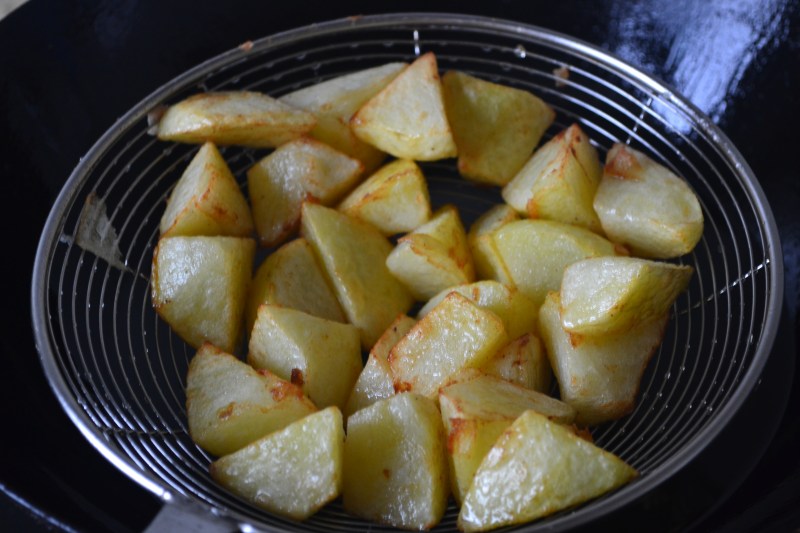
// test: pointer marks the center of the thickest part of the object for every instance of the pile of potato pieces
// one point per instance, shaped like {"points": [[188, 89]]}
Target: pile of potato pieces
{"points": [[564, 280]]}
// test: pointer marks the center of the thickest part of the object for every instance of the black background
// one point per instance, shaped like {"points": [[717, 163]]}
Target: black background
{"points": [[69, 69]]}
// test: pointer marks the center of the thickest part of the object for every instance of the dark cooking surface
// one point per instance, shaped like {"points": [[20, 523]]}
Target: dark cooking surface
{"points": [[68, 69]]}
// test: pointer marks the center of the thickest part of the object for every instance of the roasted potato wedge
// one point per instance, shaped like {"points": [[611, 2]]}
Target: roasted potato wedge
{"points": [[199, 287], [395, 465], [495, 127], [229, 404], [407, 118], [559, 181], [353, 255], [645, 206], [207, 200], [321, 356], [523, 362], [244, 118], [550, 468], [394, 199], [488, 262], [292, 472]]}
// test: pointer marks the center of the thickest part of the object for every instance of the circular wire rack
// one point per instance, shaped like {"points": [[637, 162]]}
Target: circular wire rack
{"points": [[119, 371]]}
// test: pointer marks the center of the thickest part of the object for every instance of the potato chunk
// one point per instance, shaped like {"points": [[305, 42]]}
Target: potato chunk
{"points": [[395, 465], [394, 199], [229, 404], [244, 118], [523, 362], [536, 252], [476, 410], [433, 257], [207, 200], [336, 100], [323, 357], [375, 381], [407, 118], [353, 255], [454, 335], [293, 472], [598, 375], [291, 276], [559, 181], [300, 170], [550, 469], [496, 127], [646, 207], [199, 287], [606, 295]]}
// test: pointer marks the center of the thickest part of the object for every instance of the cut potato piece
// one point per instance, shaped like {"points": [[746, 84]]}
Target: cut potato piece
{"points": [[199, 287], [300, 170], [242, 118], [536, 252], [433, 257], [598, 375], [291, 276], [524, 362], [476, 411], [550, 468], [407, 118], [353, 255], [454, 335], [323, 357], [293, 472], [207, 200], [395, 465], [606, 295], [488, 263], [559, 181], [375, 381], [336, 100], [517, 311], [394, 199], [495, 127], [229, 404], [646, 207]]}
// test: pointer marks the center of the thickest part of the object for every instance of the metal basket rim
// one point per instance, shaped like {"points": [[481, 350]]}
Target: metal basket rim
{"points": [[660, 89]]}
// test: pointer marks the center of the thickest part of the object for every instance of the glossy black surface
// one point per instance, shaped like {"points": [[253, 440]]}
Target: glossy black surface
{"points": [[68, 69]]}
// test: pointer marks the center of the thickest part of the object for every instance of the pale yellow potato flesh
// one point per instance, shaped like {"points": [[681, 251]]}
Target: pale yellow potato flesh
{"points": [[407, 118], [207, 200], [536, 252], [550, 468], [487, 260], [454, 335], [322, 356], [394, 199], [335, 101], [375, 381], [645, 206], [292, 472], [496, 127], [523, 361], [395, 464], [598, 375], [199, 287], [475, 412], [292, 277], [517, 311], [229, 404], [244, 118], [559, 181], [606, 295], [353, 255], [304, 169]]}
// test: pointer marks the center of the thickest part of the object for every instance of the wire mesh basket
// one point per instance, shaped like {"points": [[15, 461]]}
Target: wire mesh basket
{"points": [[119, 371]]}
